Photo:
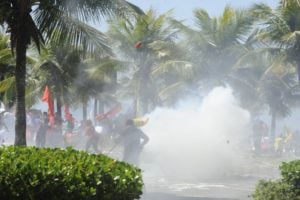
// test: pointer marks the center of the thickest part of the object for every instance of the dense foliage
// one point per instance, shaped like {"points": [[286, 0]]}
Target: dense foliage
{"points": [[287, 188], [32, 173]]}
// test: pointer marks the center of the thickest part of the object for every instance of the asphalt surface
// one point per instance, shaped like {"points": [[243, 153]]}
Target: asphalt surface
{"points": [[237, 186], [167, 196]]}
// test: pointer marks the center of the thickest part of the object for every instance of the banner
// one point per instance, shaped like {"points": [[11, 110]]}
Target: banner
{"points": [[110, 113], [48, 99]]}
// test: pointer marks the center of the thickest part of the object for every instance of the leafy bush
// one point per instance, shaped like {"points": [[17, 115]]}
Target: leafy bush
{"points": [[273, 190], [33, 173], [288, 188], [290, 173]]}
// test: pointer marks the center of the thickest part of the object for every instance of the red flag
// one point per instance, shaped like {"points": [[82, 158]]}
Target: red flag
{"points": [[114, 110], [47, 98], [138, 45], [110, 113], [101, 116]]}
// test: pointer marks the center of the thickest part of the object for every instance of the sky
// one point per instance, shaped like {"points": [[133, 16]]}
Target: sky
{"points": [[183, 9]]}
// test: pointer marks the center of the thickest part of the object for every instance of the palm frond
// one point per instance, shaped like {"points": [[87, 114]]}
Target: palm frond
{"points": [[204, 21], [7, 84], [184, 68], [6, 56], [33, 92], [136, 8], [63, 29], [90, 10], [170, 90], [262, 11]]}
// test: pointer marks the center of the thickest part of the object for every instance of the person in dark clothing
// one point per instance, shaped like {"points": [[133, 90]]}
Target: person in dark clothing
{"points": [[92, 137], [55, 137], [134, 140], [41, 133]]}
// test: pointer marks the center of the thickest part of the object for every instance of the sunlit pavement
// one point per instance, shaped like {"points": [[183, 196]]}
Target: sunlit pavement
{"points": [[238, 186], [165, 196], [236, 189]]}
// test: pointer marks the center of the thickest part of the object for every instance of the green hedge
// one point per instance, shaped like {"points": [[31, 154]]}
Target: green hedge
{"points": [[287, 188], [41, 173]]}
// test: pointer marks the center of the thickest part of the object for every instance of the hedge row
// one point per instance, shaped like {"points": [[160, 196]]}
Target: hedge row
{"points": [[41, 173]]}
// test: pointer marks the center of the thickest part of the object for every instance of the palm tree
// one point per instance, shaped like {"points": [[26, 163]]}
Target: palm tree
{"points": [[104, 73], [57, 68], [84, 88], [96, 78], [278, 93], [281, 28], [171, 73], [216, 44], [147, 43], [59, 21], [269, 81], [6, 71], [279, 32]]}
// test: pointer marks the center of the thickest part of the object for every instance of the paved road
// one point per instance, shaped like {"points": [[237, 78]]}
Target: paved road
{"points": [[238, 189], [237, 186], [168, 196]]}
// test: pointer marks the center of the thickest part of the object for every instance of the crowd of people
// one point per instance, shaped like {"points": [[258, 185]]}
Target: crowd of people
{"points": [[287, 142], [96, 137], [103, 136]]}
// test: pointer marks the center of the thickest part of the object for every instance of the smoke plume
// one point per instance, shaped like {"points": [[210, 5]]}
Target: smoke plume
{"points": [[199, 138]]}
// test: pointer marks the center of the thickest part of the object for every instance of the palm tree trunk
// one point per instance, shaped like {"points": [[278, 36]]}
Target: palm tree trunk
{"points": [[273, 126], [58, 116], [95, 109], [145, 104], [298, 68], [136, 106], [20, 74], [95, 106], [58, 107], [84, 110]]}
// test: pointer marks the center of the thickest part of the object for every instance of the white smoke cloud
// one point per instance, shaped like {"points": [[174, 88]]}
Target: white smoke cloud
{"points": [[199, 137]]}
